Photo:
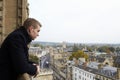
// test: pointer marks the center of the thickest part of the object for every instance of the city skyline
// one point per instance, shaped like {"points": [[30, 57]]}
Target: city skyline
{"points": [[79, 21]]}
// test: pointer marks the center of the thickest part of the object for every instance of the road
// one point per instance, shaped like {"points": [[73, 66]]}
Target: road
{"points": [[44, 61]]}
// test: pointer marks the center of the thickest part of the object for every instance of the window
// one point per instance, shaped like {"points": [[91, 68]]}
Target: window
{"points": [[1, 8], [79, 77], [0, 24], [0, 17], [1, 3]]}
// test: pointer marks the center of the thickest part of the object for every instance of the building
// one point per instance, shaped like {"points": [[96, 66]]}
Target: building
{"points": [[80, 73], [12, 14], [95, 71]]}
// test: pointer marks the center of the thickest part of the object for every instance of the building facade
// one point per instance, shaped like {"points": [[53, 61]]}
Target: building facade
{"points": [[12, 14], [81, 74]]}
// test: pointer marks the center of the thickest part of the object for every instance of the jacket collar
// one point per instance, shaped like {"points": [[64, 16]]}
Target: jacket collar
{"points": [[27, 36]]}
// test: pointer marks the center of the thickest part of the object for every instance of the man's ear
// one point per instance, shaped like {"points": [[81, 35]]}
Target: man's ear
{"points": [[30, 28]]}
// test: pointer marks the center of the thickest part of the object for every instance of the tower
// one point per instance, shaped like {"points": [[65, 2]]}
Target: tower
{"points": [[118, 74], [12, 14]]}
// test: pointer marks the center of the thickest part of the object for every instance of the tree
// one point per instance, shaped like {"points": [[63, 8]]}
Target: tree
{"points": [[78, 54], [106, 49], [75, 48], [34, 58], [112, 49], [36, 45]]}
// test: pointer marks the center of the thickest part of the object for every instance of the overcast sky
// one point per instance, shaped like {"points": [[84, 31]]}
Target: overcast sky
{"points": [[78, 21]]}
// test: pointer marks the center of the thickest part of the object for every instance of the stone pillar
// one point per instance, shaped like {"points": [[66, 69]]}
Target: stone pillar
{"points": [[24, 76]]}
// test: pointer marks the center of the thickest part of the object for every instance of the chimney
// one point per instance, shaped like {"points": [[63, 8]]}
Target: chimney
{"points": [[100, 66], [84, 65], [76, 61]]}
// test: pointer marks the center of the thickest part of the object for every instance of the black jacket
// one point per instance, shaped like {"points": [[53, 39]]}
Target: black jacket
{"points": [[14, 55]]}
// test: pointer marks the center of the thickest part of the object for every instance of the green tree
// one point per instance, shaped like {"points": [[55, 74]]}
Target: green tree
{"points": [[34, 58], [78, 54], [36, 45], [102, 49], [117, 49], [112, 49], [75, 48], [106, 49]]}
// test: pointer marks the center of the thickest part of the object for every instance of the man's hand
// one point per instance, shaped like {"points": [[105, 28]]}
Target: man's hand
{"points": [[38, 70]]}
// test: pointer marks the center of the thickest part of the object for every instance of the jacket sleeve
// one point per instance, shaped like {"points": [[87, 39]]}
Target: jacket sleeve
{"points": [[18, 56]]}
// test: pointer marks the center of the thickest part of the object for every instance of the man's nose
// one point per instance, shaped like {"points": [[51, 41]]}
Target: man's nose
{"points": [[37, 34]]}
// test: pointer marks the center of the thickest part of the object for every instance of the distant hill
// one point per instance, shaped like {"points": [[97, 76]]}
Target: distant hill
{"points": [[45, 43], [71, 44]]}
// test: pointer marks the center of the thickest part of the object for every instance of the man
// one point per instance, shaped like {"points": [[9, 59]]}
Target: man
{"points": [[14, 51]]}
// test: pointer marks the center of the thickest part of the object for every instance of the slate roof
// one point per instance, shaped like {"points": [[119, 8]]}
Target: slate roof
{"points": [[107, 71], [101, 60]]}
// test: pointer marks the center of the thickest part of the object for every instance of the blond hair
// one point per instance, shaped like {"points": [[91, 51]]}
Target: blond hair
{"points": [[31, 22]]}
